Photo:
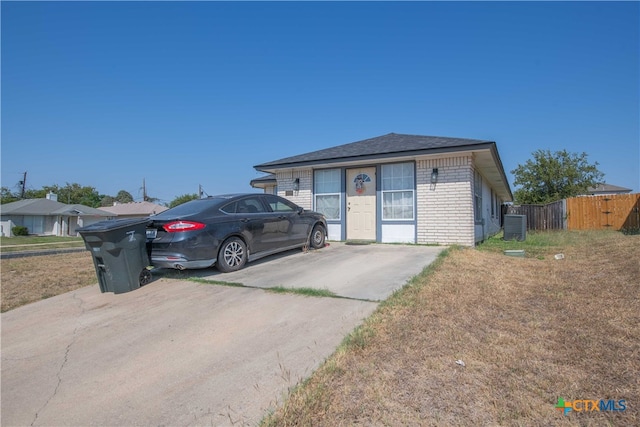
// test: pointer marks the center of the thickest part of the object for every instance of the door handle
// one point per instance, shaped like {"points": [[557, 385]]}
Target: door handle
{"points": [[245, 220]]}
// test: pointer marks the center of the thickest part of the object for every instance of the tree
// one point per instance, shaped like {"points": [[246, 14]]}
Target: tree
{"points": [[73, 194], [70, 194], [107, 201], [6, 196], [550, 177], [124, 197], [182, 199]]}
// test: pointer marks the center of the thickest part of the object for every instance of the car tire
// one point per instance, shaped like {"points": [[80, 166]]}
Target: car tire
{"points": [[316, 240], [232, 255]]}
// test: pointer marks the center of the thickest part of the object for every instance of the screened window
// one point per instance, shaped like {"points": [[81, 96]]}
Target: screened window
{"points": [[493, 204], [398, 183], [478, 196], [327, 193]]}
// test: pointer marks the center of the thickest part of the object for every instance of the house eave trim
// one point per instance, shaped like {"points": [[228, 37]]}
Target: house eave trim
{"points": [[272, 167]]}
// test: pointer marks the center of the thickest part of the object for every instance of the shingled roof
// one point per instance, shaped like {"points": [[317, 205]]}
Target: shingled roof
{"points": [[48, 207], [389, 145], [143, 208]]}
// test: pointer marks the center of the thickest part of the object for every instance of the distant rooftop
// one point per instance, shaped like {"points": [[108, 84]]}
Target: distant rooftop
{"points": [[135, 208], [607, 189]]}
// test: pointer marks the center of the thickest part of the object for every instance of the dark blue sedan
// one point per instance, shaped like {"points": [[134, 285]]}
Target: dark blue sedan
{"points": [[230, 230]]}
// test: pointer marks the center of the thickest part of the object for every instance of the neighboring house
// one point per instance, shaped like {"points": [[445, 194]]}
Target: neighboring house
{"points": [[399, 188], [134, 209], [48, 217], [602, 189], [268, 183]]}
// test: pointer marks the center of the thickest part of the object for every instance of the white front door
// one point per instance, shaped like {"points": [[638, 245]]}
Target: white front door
{"points": [[361, 204]]}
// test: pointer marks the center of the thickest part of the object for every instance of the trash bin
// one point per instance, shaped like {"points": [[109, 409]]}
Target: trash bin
{"points": [[119, 250]]}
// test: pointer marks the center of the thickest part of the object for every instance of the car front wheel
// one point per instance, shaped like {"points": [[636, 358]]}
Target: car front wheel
{"points": [[317, 237], [232, 255]]}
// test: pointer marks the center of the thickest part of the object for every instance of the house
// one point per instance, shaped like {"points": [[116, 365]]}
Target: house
{"points": [[398, 188], [602, 189], [134, 209], [48, 216], [267, 183]]}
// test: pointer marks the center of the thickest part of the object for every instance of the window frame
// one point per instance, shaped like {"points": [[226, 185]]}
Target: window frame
{"points": [[400, 190], [338, 193], [477, 197]]}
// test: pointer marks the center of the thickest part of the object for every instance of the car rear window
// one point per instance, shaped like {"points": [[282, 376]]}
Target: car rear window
{"points": [[194, 206]]}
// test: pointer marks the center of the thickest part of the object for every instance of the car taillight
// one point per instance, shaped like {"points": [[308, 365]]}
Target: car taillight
{"points": [[178, 226]]}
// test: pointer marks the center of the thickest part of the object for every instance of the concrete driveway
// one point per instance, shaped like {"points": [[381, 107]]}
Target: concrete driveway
{"points": [[177, 352]]}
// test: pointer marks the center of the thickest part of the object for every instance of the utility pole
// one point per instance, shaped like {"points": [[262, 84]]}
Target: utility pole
{"points": [[199, 191], [24, 185], [144, 191]]}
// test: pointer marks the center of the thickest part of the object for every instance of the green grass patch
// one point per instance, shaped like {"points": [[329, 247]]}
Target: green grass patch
{"points": [[359, 338], [31, 243], [308, 292], [538, 244], [216, 282], [30, 240]]}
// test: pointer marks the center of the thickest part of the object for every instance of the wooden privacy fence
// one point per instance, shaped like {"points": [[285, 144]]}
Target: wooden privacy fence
{"points": [[540, 217], [613, 212], [610, 212]]}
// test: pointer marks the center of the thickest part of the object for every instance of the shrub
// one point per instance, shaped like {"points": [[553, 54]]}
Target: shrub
{"points": [[20, 230]]}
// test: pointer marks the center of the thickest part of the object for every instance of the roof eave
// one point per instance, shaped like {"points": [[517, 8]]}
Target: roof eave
{"points": [[273, 167], [332, 162], [498, 161]]}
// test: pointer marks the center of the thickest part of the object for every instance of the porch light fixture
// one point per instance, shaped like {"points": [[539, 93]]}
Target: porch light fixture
{"points": [[296, 184], [434, 175]]}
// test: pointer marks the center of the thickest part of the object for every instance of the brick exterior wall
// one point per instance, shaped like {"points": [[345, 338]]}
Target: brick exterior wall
{"points": [[303, 196], [445, 209]]}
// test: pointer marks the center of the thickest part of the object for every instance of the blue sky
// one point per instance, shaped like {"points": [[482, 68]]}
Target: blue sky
{"points": [[106, 94]]}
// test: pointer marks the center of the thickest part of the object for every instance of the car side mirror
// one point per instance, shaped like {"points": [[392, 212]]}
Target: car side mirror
{"points": [[300, 210]]}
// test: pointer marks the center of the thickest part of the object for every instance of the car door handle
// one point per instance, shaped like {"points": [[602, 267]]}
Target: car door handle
{"points": [[245, 220]]}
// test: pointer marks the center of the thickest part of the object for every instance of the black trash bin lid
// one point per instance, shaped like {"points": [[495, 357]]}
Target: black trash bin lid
{"points": [[113, 224]]}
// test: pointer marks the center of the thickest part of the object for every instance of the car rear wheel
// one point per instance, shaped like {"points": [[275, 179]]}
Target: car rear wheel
{"points": [[232, 255], [317, 237]]}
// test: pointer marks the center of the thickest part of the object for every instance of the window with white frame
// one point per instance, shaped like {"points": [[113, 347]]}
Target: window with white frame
{"points": [[398, 187], [327, 193], [478, 196]]}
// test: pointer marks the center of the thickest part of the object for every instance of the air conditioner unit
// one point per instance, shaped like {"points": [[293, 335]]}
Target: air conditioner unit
{"points": [[515, 227]]}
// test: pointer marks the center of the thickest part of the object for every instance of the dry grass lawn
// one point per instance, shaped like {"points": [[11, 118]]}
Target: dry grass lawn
{"points": [[26, 280], [529, 331]]}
